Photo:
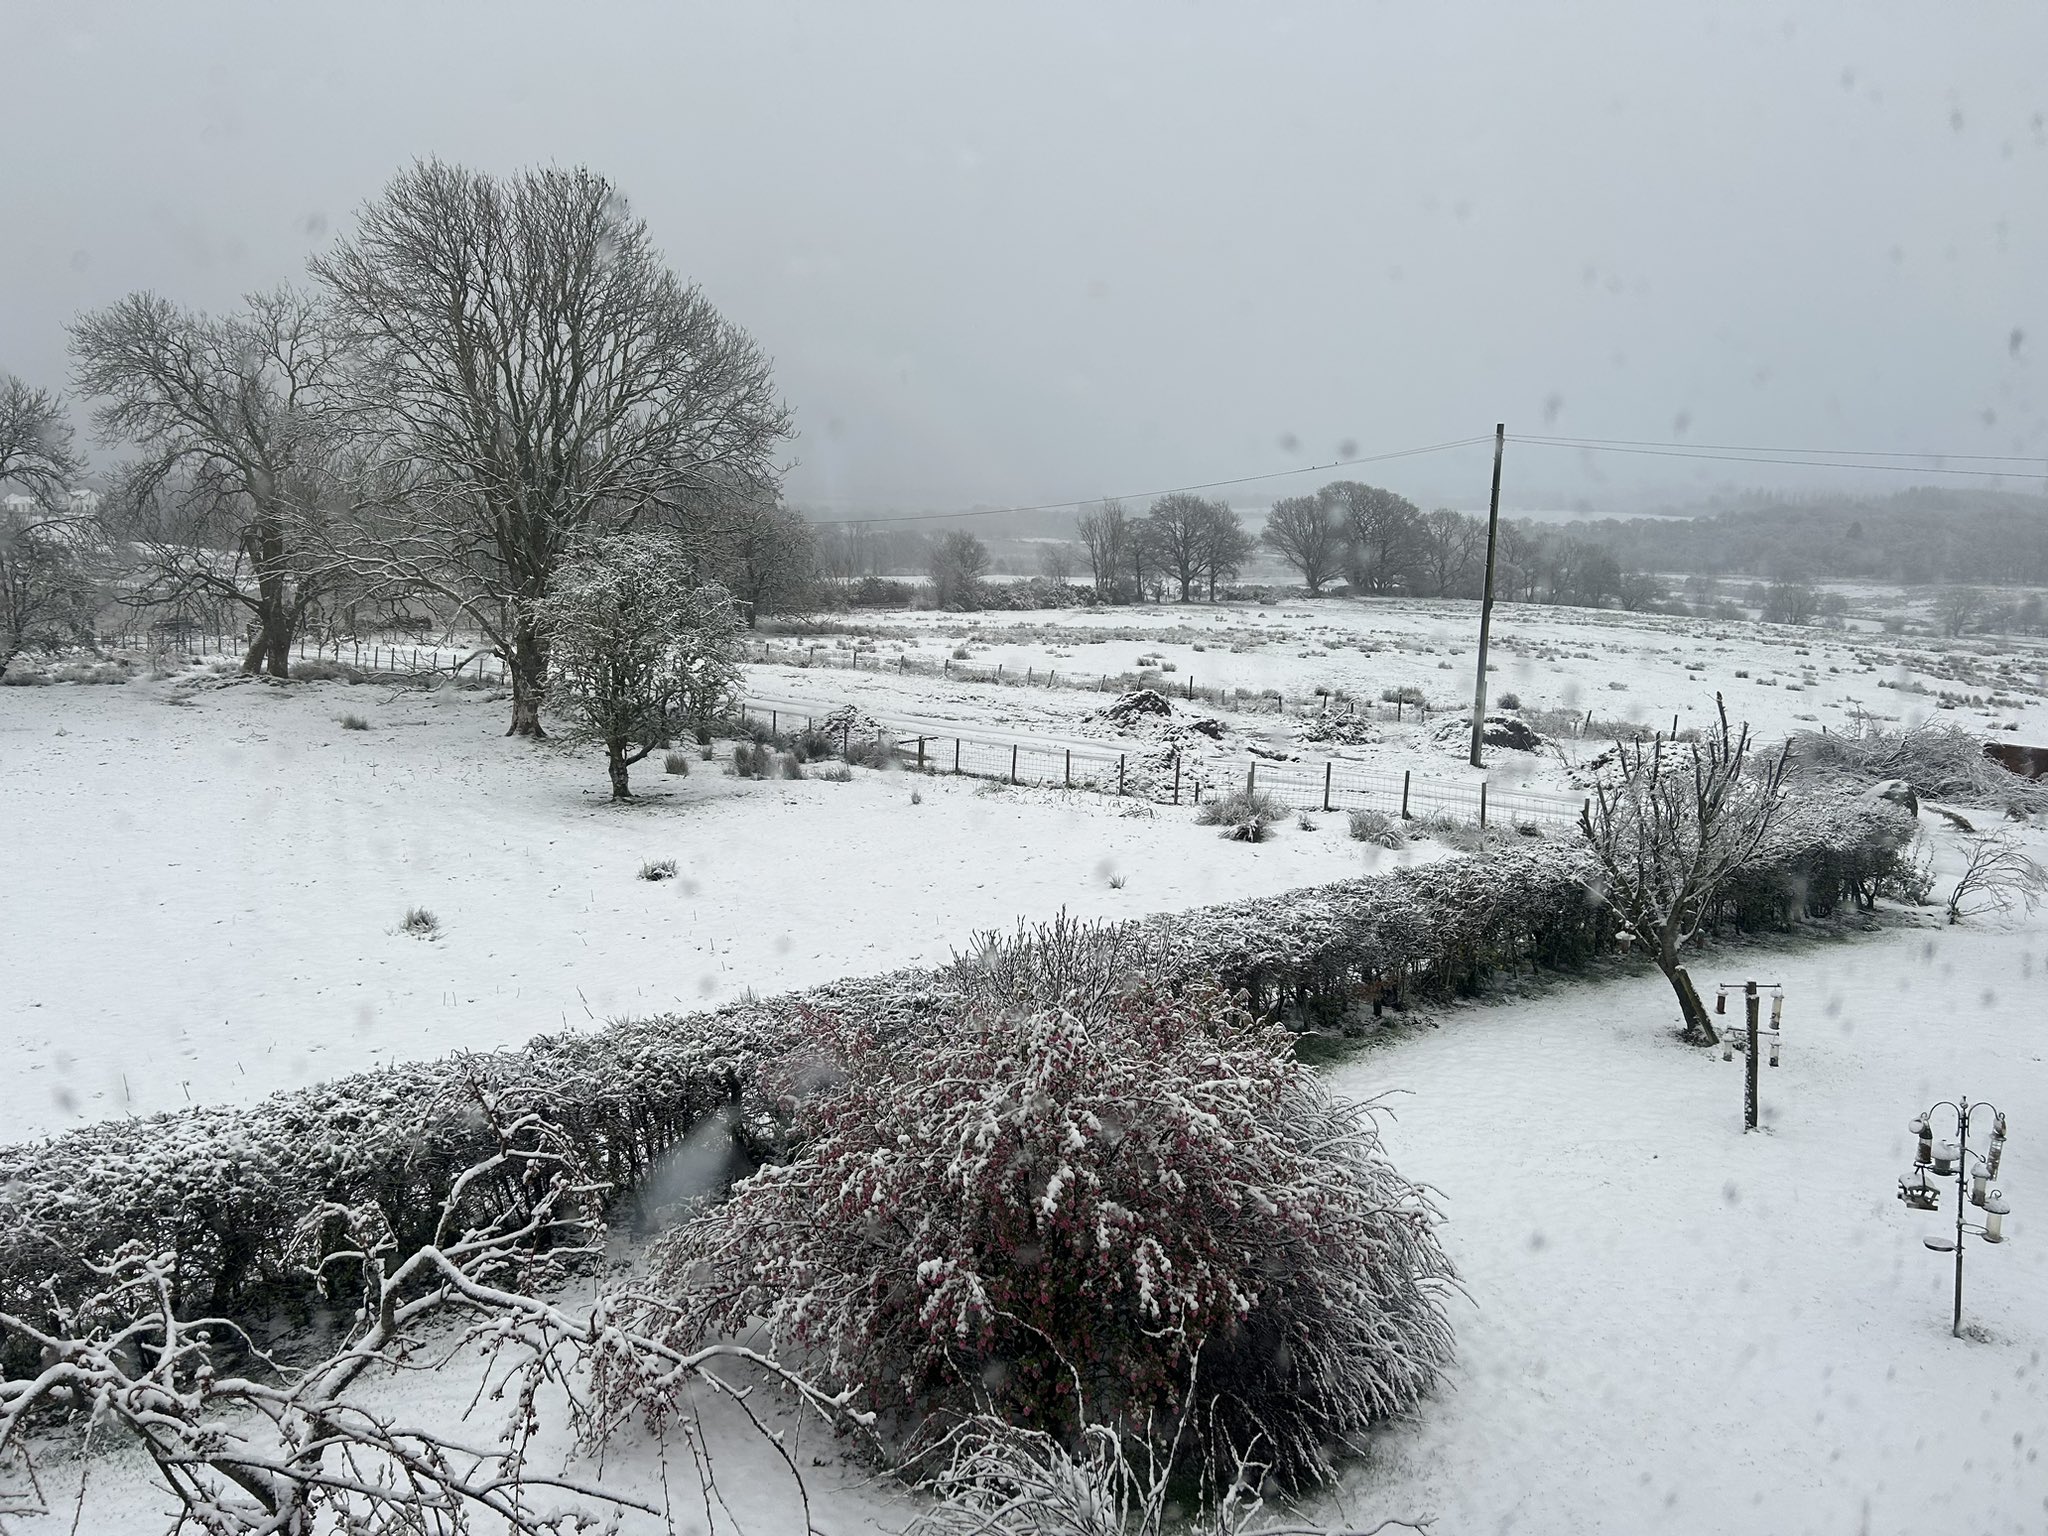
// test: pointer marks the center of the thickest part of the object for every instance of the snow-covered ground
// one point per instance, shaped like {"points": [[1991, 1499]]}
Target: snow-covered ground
{"points": [[203, 899], [1671, 1325]]}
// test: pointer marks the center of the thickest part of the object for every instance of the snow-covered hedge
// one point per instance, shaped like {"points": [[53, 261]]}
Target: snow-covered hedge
{"points": [[222, 1189]]}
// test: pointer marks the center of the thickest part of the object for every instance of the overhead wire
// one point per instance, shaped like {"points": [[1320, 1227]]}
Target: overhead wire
{"points": [[1737, 454], [1172, 490]]}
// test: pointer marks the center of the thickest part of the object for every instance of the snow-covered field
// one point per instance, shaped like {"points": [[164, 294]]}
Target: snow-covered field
{"points": [[1670, 1325], [206, 897]]}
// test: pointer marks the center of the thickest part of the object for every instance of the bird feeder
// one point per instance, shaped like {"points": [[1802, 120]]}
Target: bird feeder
{"points": [[1720, 1002], [1777, 1009], [1925, 1152], [1774, 1044], [1979, 1180], [1944, 1159], [1918, 1194], [1997, 1151], [1995, 1210]]}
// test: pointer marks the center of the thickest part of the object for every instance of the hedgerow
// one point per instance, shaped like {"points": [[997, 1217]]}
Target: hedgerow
{"points": [[219, 1189]]}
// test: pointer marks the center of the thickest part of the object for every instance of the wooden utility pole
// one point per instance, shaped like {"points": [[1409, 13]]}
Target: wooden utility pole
{"points": [[1500, 437]]}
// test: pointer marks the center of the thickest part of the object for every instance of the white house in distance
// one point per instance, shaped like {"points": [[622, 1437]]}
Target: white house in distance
{"points": [[83, 503]]}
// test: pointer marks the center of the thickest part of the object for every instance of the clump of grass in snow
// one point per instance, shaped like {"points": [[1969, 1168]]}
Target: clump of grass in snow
{"points": [[354, 723], [916, 798], [658, 869], [1510, 701], [677, 763], [1244, 816], [1306, 822], [837, 773], [792, 766], [420, 923], [1116, 882], [1376, 827]]}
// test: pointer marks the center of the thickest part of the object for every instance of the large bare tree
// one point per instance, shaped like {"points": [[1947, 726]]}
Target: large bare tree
{"points": [[766, 555], [1107, 535], [234, 421], [1380, 530], [1671, 826], [1177, 529], [1446, 543], [1303, 531], [542, 376], [43, 541]]}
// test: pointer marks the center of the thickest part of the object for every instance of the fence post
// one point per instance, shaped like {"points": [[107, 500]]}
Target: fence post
{"points": [[1251, 778], [1176, 778], [1326, 786], [1191, 685], [774, 723], [920, 754], [1013, 762], [1029, 674], [1404, 793], [956, 754], [1119, 773], [1070, 767], [1482, 805]]}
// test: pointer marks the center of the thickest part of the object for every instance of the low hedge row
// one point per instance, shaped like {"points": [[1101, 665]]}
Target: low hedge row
{"points": [[228, 1190]]}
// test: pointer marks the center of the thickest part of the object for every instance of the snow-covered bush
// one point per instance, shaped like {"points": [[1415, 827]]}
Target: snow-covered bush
{"points": [[641, 647], [1033, 1210], [1938, 760]]}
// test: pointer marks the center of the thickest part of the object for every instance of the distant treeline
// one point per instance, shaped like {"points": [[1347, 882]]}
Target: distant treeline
{"points": [[1920, 536]]}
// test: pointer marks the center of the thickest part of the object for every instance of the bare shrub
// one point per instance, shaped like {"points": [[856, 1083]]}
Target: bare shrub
{"points": [[420, 923], [658, 869], [316, 670], [1670, 829], [750, 761], [1305, 822], [354, 723], [1102, 1209], [246, 1445], [1999, 878], [791, 766], [877, 753], [1376, 827], [1246, 816], [677, 763], [1510, 700], [836, 773]]}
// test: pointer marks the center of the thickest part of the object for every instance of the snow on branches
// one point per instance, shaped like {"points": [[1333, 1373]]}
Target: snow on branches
{"points": [[1026, 1211]]}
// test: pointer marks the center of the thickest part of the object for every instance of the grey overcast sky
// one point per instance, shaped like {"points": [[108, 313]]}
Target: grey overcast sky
{"points": [[1035, 251]]}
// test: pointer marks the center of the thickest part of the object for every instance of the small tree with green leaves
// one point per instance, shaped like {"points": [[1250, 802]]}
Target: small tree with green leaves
{"points": [[643, 649]]}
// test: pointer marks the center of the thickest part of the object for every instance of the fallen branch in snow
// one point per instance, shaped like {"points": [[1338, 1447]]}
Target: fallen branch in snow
{"points": [[280, 1450]]}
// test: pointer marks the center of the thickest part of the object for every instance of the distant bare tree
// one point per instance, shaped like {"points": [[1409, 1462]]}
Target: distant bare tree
{"points": [[1445, 543], [1056, 561], [1302, 531], [1675, 823], [1380, 533], [45, 585], [958, 564], [1108, 537], [1222, 545], [237, 413], [1956, 608], [541, 375], [766, 554], [1637, 590], [1790, 601]]}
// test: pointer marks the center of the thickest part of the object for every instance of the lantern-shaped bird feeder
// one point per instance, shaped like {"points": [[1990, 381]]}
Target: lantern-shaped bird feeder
{"points": [[1925, 1152], [1944, 1159], [1995, 1211]]}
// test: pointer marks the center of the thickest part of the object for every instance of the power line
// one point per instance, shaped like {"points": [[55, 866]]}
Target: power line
{"points": [[1172, 490], [1775, 456], [1842, 453]]}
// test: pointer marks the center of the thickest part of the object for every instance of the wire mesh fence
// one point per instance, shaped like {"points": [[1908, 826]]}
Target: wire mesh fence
{"points": [[1167, 776]]}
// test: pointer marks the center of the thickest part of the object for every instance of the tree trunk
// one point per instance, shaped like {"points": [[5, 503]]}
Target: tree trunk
{"points": [[529, 668], [277, 646], [252, 658], [615, 761], [1699, 1024]]}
